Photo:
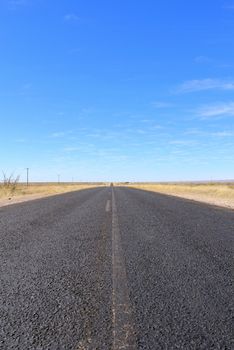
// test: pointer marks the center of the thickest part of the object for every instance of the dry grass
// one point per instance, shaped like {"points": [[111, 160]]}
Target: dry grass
{"points": [[41, 189], [214, 193]]}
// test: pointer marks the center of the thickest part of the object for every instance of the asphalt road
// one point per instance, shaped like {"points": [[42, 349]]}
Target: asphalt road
{"points": [[116, 269]]}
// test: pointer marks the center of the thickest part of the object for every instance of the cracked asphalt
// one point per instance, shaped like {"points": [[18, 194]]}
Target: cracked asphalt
{"points": [[56, 271]]}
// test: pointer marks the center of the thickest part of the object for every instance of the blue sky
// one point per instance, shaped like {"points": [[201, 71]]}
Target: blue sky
{"points": [[117, 90]]}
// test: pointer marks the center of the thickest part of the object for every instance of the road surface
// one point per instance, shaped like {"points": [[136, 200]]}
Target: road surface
{"points": [[116, 268]]}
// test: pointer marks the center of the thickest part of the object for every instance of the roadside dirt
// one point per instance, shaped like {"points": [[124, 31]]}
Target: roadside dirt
{"points": [[20, 199], [213, 199], [226, 203]]}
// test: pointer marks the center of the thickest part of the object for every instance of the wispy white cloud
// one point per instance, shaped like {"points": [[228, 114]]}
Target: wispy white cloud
{"points": [[58, 134], [71, 149], [182, 142], [205, 84], [222, 134], [156, 127], [229, 7], [14, 4], [211, 61], [161, 104], [217, 110], [202, 133], [141, 131], [202, 59], [20, 140], [17, 2], [25, 89], [71, 17]]}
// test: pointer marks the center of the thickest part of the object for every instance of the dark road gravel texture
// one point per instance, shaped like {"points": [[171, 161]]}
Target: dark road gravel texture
{"points": [[55, 273], [179, 262]]}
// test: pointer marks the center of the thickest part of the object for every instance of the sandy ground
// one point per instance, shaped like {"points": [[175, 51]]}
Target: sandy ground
{"points": [[221, 194], [24, 194], [222, 202], [20, 199]]}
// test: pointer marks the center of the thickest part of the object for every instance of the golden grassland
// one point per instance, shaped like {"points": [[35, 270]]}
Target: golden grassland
{"points": [[218, 193], [41, 189]]}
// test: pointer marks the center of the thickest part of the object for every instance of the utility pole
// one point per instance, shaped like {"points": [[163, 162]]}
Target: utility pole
{"points": [[27, 175], [58, 178]]}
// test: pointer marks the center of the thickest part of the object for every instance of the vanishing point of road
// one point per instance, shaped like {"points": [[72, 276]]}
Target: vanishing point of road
{"points": [[116, 268]]}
